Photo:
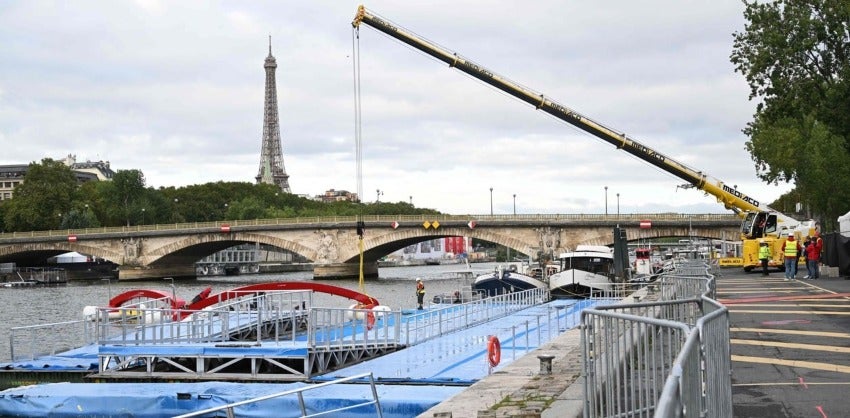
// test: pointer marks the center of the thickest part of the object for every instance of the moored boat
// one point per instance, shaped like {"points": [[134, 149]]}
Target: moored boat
{"points": [[587, 269], [644, 268], [505, 280]]}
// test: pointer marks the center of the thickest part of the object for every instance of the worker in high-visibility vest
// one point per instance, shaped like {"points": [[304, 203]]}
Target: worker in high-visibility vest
{"points": [[420, 292], [764, 256], [791, 248]]}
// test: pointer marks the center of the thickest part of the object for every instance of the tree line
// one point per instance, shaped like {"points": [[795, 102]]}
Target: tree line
{"points": [[51, 198]]}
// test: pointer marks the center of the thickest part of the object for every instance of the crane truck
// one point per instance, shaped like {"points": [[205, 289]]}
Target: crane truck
{"points": [[759, 222]]}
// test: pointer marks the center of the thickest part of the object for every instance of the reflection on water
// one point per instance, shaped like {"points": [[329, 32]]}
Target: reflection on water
{"points": [[41, 305]]}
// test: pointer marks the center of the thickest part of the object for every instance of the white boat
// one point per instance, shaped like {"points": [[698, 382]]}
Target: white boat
{"points": [[588, 268]]}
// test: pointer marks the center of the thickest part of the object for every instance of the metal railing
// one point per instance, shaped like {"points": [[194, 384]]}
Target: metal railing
{"points": [[230, 409], [34, 341], [310, 221], [239, 316], [332, 328], [665, 357]]}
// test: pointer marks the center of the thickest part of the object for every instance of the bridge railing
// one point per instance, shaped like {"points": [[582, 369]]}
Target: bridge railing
{"points": [[183, 226]]}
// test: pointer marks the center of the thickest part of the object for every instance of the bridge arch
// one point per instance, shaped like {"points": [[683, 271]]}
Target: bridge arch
{"points": [[199, 246], [37, 253]]}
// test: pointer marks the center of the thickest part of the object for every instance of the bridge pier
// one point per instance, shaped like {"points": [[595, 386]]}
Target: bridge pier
{"points": [[126, 273], [345, 270]]}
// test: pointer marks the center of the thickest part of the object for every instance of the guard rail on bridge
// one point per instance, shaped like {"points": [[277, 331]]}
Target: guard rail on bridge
{"points": [[663, 358], [307, 221]]}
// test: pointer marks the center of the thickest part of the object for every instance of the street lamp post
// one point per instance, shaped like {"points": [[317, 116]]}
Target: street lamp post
{"points": [[411, 200], [514, 204], [143, 216], [174, 214], [108, 287], [618, 205], [491, 201], [173, 290], [606, 200]]}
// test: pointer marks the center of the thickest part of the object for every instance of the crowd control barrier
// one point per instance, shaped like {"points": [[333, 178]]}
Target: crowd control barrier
{"points": [[667, 356]]}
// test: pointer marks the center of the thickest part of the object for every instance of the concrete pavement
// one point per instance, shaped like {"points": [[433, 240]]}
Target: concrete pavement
{"points": [[790, 339]]}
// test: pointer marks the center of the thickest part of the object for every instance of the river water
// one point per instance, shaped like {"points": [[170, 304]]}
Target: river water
{"points": [[42, 305]]}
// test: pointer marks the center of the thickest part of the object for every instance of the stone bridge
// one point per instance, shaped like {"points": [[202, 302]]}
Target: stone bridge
{"points": [[331, 243]]}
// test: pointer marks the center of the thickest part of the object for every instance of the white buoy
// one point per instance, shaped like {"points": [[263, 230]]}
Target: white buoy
{"points": [[352, 314], [90, 312], [381, 310]]}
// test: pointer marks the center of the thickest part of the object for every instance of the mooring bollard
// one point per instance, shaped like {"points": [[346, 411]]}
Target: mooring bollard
{"points": [[545, 363]]}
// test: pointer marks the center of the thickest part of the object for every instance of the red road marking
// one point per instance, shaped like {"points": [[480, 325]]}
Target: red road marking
{"points": [[787, 321], [802, 382], [820, 409], [781, 298]]}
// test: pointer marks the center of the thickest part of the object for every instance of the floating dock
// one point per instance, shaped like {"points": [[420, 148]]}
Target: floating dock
{"points": [[415, 360]]}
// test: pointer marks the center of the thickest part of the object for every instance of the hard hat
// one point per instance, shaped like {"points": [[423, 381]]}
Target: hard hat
{"points": [[418, 279], [790, 234], [761, 241]]}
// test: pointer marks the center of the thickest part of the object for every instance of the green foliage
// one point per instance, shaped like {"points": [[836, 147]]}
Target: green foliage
{"points": [[43, 199], [795, 55], [126, 201]]}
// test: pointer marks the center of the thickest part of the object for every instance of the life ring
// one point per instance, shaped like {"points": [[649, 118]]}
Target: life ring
{"points": [[494, 351]]}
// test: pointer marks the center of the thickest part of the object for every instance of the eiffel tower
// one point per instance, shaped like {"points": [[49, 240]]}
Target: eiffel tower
{"points": [[271, 154]]}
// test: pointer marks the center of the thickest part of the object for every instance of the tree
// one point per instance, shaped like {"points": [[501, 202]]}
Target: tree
{"points": [[795, 56], [41, 201], [128, 189]]}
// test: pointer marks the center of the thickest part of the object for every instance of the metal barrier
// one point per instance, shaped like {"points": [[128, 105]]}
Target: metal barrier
{"points": [[666, 357], [229, 409]]}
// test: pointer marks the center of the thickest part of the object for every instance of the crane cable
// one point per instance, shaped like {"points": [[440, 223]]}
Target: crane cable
{"points": [[355, 54]]}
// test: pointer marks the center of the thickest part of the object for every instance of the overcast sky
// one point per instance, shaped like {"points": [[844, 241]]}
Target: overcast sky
{"points": [[175, 89]]}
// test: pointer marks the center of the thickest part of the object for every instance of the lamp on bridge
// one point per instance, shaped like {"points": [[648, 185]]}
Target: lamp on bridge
{"points": [[174, 213], [491, 201], [618, 205], [606, 200], [514, 204]]}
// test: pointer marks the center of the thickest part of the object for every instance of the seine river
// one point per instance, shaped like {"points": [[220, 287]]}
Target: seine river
{"points": [[42, 305]]}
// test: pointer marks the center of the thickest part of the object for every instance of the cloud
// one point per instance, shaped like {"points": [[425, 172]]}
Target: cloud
{"points": [[175, 89]]}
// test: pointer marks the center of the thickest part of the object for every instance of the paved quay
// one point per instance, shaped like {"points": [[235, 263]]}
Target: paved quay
{"points": [[520, 390], [789, 346], [790, 339]]}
